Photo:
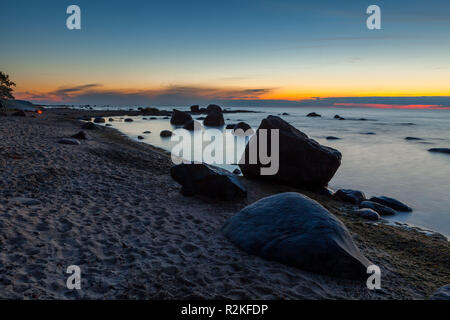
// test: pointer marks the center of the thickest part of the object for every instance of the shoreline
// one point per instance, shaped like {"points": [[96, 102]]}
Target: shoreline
{"points": [[130, 217]]}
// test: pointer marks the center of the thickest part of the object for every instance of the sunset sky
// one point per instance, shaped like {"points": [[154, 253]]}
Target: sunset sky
{"points": [[183, 52]]}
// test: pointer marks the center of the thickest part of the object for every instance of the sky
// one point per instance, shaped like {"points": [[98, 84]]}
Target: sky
{"points": [[265, 52]]}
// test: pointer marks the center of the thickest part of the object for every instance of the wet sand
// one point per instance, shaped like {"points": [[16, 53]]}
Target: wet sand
{"points": [[110, 206]]}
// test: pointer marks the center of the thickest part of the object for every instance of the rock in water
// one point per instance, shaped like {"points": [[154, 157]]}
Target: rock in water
{"points": [[213, 108], [303, 161], [391, 203], [19, 113], [89, 126], [313, 114], [295, 230], [207, 180], [348, 195], [99, 120], [368, 214], [440, 150], [443, 293], [195, 109], [69, 141], [379, 208], [128, 120], [165, 133], [214, 119], [179, 118], [192, 125]]}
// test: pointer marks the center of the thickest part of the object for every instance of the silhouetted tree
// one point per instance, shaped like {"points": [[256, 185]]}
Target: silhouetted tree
{"points": [[6, 86]]}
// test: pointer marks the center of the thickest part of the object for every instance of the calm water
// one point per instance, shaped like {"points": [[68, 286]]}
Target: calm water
{"points": [[381, 163]]}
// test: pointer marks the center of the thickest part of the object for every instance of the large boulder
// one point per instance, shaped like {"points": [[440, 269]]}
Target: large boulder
{"points": [[200, 178], [391, 203], [213, 108], [214, 119], [295, 230], [302, 161], [179, 118], [348, 195], [379, 208]]}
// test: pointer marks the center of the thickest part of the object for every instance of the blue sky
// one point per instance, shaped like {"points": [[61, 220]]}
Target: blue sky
{"points": [[166, 51]]}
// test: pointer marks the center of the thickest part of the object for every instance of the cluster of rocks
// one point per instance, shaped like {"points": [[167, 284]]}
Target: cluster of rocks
{"points": [[371, 208], [75, 139]]}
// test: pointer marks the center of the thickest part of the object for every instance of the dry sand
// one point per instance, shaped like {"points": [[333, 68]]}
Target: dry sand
{"points": [[110, 207]]}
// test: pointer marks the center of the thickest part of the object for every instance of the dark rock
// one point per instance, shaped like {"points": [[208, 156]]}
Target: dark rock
{"points": [[338, 117], [151, 111], [440, 150], [165, 133], [166, 118], [412, 138], [202, 110], [243, 127], [19, 113], [192, 125], [207, 180], [128, 120], [179, 118], [89, 126], [443, 293], [236, 171], [69, 141], [140, 137], [368, 214], [379, 208], [153, 118], [195, 109], [348, 195], [332, 138], [201, 118], [302, 161], [230, 126], [111, 120], [214, 119], [99, 120], [285, 114], [295, 230], [80, 136], [368, 133], [391, 203], [313, 114], [147, 132], [213, 108], [108, 125]]}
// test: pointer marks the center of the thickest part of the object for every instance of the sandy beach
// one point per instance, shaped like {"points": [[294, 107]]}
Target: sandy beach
{"points": [[110, 206]]}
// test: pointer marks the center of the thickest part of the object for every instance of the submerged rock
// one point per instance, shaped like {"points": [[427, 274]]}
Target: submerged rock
{"points": [[368, 214], [440, 150], [348, 195], [207, 180], [379, 208], [213, 108], [413, 138], [391, 203], [302, 161], [165, 133], [313, 114], [295, 230], [332, 138], [179, 118], [80, 136], [214, 119]]}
